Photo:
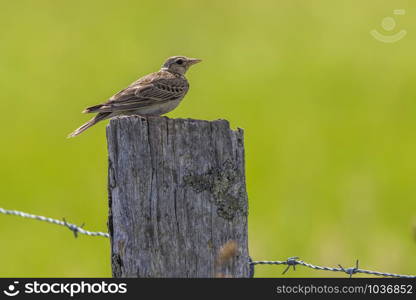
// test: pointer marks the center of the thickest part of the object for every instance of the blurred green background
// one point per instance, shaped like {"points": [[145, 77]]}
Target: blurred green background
{"points": [[329, 114]]}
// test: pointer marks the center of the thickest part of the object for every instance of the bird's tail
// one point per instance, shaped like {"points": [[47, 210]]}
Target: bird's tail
{"points": [[99, 117]]}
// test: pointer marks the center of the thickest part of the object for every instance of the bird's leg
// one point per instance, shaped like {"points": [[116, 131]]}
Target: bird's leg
{"points": [[145, 116], [152, 116]]}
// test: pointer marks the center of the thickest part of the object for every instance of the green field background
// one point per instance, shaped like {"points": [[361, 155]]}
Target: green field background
{"points": [[329, 114]]}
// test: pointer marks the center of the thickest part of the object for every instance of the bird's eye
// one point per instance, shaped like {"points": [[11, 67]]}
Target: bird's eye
{"points": [[179, 61]]}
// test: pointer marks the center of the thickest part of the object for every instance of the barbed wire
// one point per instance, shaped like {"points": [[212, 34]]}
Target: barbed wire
{"points": [[74, 228], [294, 261], [290, 262]]}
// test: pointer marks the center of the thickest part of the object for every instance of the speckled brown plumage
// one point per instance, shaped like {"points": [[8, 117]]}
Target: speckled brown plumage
{"points": [[154, 94]]}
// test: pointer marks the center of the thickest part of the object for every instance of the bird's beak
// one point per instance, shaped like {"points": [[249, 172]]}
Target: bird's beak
{"points": [[193, 61]]}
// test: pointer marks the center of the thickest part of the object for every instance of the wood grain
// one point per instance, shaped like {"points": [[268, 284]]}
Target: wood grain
{"points": [[177, 198]]}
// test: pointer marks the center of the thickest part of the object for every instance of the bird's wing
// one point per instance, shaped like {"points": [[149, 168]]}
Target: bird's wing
{"points": [[152, 89]]}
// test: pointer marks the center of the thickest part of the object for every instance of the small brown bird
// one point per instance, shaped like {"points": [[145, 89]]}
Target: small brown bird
{"points": [[152, 95]]}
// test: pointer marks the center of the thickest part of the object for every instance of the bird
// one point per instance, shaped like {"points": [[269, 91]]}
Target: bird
{"points": [[152, 95]]}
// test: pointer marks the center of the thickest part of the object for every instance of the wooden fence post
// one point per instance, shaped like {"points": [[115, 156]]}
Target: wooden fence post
{"points": [[177, 195]]}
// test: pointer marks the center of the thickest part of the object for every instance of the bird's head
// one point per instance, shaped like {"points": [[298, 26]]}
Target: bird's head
{"points": [[179, 64]]}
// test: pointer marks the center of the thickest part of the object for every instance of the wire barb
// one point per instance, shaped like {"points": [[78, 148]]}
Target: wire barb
{"points": [[75, 229], [291, 261], [352, 270]]}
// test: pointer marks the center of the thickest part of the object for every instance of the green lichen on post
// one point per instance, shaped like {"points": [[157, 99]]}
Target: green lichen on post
{"points": [[222, 183]]}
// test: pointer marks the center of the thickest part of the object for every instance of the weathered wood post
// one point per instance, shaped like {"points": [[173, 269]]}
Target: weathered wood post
{"points": [[176, 195]]}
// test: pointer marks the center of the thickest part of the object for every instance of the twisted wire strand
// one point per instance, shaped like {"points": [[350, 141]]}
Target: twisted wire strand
{"points": [[74, 228], [293, 261], [290, 262]]}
